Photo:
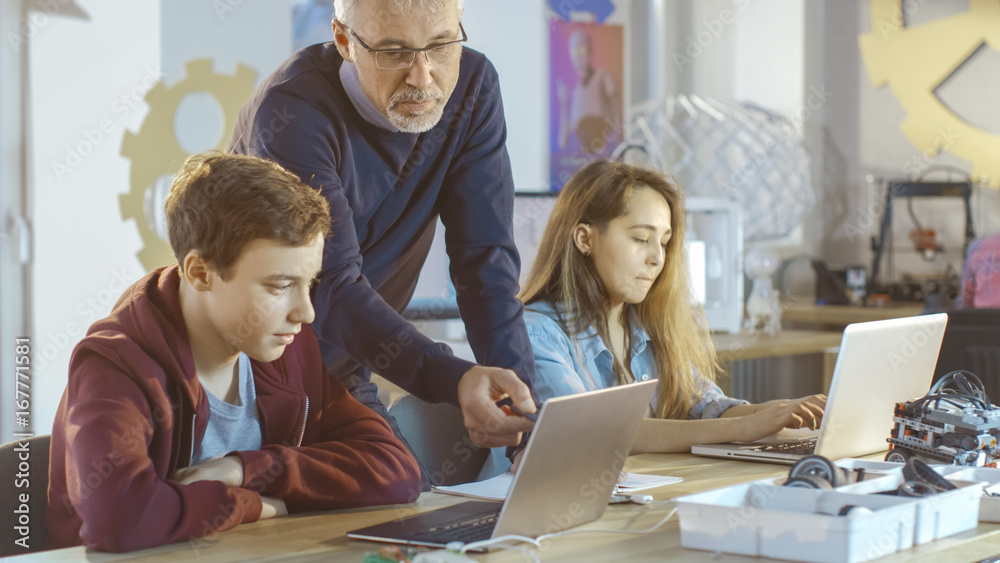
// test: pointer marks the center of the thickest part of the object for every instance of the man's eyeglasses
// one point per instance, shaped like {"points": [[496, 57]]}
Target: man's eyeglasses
{"points": [[395, 59]]}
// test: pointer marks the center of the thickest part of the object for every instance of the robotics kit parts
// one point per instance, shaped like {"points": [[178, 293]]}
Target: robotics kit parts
{"points": [[818, 472], [954, 423]]}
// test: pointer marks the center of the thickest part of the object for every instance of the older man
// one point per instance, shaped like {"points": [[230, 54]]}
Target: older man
{"points": [[396, 123]]}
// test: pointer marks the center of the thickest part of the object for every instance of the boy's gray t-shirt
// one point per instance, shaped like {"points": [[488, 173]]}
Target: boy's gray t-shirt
{"points": [[231, 428]]}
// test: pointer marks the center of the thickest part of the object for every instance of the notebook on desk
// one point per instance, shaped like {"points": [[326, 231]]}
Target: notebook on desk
{"points": [[880, 363], [570, 466]]}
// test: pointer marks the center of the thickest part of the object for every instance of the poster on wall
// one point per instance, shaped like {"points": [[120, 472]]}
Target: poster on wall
{"points": [[585, 95]]}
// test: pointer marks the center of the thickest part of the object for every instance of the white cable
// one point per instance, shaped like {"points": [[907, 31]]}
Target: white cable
{"points": [[491, 541], [537, 541], [523, 551]]}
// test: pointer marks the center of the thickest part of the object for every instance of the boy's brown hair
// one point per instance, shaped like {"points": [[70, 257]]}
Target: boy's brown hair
{"points": [[218, 203]]}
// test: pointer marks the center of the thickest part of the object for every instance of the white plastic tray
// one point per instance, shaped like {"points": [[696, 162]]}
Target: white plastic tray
{"points": [[871, 467], [989, 506], [793, 523], [937, 516], [762, 518]]}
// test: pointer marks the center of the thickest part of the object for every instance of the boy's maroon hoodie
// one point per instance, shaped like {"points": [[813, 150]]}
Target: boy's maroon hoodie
{"points": [[134, 409]]}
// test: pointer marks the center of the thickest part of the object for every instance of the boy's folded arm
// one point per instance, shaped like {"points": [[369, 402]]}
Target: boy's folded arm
{"points": [[355, 461], [124, 499]]}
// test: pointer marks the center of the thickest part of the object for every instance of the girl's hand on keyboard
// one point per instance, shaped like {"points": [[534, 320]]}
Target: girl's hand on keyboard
{"points": [[814, 400], [773, 416]]}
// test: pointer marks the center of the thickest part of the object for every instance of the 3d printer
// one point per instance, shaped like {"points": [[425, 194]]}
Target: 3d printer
{"points": [[925, 241]]}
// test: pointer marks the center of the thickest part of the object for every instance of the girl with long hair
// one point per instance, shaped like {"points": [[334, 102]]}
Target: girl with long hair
{"points": [[608, 302]]}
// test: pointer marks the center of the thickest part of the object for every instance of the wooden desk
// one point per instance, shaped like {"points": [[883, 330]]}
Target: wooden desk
{"points": [[836, 317], [319, 536]]}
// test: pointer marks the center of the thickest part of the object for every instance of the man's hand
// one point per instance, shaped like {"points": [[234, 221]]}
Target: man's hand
{"points": [[489, 426], [227, 469]]}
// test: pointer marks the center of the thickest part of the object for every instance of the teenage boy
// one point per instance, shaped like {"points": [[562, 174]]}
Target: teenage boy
{"points": [[201, 401]]}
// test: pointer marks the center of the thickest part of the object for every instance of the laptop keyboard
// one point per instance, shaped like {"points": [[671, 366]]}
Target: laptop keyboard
{"points": [[466, 530], [804, 447]]}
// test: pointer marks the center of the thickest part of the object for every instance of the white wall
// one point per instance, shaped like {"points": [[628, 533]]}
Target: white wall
{"points": [[14, 279], [230, 32], [89, 80], [523, 68]]}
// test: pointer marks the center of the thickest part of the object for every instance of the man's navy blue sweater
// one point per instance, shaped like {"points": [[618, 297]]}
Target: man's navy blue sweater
{"points": [[386, 190]]}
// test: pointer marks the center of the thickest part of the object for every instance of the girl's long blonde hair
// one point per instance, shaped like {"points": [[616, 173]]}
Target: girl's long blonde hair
{"points": [[561, 275]]}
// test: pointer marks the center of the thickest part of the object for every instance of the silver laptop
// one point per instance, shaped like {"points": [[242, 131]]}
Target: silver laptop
{"points": [[880, 363], [570, 466]]}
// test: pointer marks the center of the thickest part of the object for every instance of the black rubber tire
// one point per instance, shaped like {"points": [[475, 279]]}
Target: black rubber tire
{"points": [[898, 455], [808, 482], [819, 466], [916, 470]]}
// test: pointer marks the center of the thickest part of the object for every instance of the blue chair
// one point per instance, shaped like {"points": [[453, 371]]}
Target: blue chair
{"points": [[437, 436]]}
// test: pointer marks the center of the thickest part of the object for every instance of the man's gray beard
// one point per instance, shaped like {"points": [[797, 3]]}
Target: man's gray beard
{"points": [[420, 123]]}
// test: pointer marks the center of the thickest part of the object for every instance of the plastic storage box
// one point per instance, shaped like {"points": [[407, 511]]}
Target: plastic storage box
{"points": [[872, 468], [989, 505], [757, 519], [762, 518], [937, 516]]}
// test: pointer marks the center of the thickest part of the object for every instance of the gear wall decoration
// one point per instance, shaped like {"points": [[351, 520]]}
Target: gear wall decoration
{"points": [[915, 60], [155, 152]]}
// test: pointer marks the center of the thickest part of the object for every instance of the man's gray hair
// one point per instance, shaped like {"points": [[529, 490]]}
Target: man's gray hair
{"points": [[344, 9]]}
